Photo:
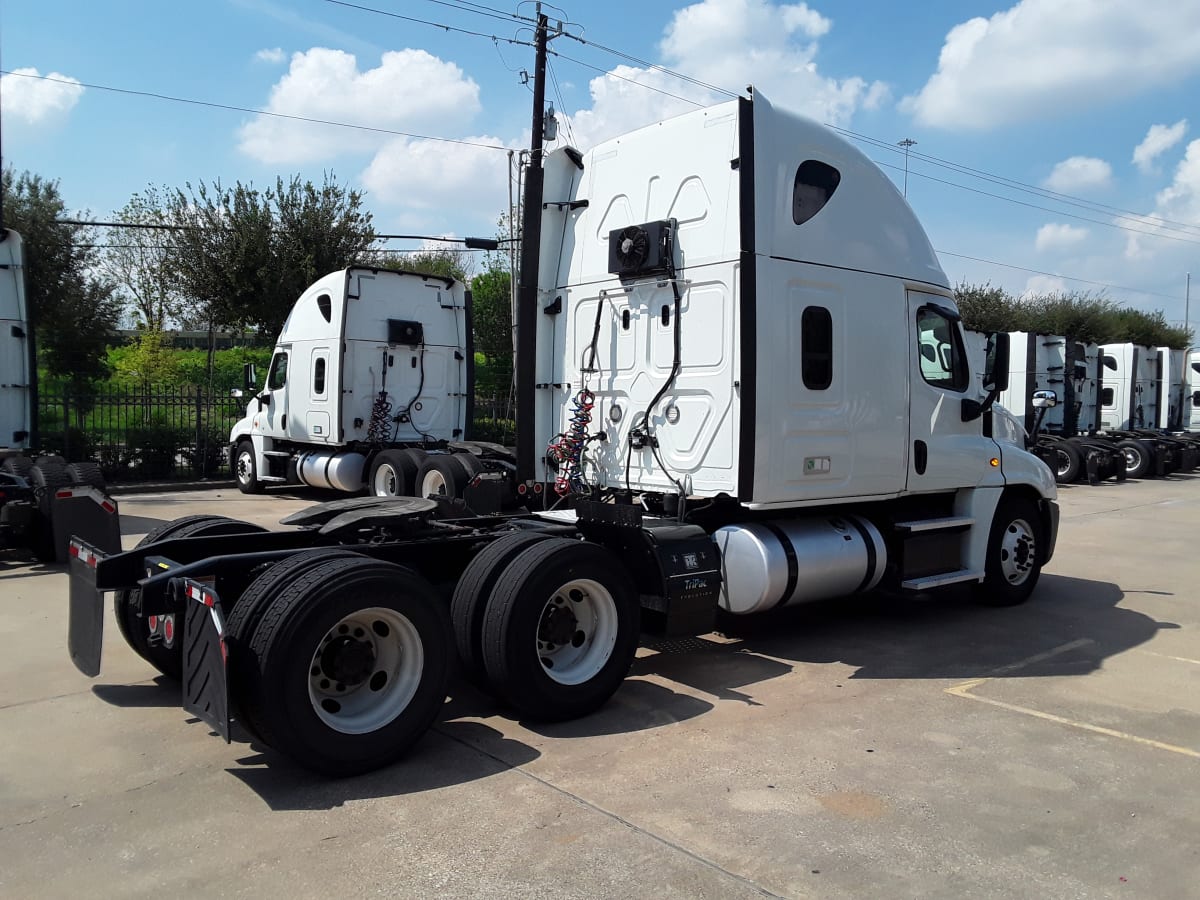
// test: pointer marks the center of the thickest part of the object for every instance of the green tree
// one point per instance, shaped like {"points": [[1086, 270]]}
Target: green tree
{"points": [[138, 261], [74, 310], [244, 256], [491, 291]]}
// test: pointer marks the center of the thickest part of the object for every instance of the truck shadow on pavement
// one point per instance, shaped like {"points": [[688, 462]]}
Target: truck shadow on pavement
{"points": [[1069, 627]]}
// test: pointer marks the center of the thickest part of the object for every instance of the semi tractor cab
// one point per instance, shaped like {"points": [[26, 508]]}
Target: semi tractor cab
{"points": [[370, 386], [751, 389]]}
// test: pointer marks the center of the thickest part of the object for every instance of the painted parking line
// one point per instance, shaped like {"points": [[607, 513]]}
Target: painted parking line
{"points": [[965, 690]]}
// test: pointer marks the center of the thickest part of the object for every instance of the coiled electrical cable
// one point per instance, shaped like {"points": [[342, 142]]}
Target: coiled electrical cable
{"points": [[566, 450]]}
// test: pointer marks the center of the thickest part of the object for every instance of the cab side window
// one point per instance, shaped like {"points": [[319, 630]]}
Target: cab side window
{"points": [[277, 377], [939, 350]]}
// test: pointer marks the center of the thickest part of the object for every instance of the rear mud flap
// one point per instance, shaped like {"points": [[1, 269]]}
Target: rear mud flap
{"points": [[85, 612], [205, 655], [88, 512]]}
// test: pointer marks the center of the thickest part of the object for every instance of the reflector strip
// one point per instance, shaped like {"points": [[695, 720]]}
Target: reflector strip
{"points": [[62, 495], [108, 507]]}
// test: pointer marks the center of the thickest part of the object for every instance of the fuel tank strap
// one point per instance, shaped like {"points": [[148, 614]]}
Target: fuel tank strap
{"points": [[793, 567]]}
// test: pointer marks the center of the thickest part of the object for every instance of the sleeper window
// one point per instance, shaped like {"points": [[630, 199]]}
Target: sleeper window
{"points": [[815, 183], [816, 348]]}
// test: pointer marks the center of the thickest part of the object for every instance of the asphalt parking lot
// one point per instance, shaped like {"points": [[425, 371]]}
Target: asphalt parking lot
{"points": [[877, 747]]}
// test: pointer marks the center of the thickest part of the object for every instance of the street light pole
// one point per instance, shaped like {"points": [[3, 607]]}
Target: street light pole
{"points": [[906, 144]]}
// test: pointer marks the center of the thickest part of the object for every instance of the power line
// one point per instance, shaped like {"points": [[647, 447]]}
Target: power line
{"points": [[439, 25], [1103, 284], [1057, 212], [610, 74], [257, 112], [1141, 218]]}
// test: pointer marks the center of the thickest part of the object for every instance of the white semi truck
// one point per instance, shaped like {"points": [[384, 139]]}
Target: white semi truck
{"points": [[370, 386], [40, 497], [750, 389]]}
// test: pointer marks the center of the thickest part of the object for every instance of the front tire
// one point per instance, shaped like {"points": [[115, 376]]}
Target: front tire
{"points": [[351, 666], [1014, 553], [561, 629], [245, 469]]}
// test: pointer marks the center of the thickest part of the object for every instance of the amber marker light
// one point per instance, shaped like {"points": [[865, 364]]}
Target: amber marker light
{"points": [[994, 462]]}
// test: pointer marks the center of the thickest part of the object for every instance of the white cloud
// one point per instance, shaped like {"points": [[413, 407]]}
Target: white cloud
{"points": [[1057, 236], [410, 90], [728, 44], [1040, 57], [271, 55], [1175, 207], [1078, 173], [437, 182], [1037, 285], [37, 100], [1159, 139]]}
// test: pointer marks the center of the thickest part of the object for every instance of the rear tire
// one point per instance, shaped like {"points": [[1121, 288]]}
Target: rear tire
{"points": [[442, 475], [1068, 462], [17, 465], [469, 603], [1137, 457], [245, 470], [351, 666], [1014, 553], [393, 474], [45, 476], [561, 629], [136, 629], [248, 611], [87, 473]]}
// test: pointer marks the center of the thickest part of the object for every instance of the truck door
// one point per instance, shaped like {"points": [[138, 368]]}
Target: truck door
{"points": [[945, 453], [273, 418]]}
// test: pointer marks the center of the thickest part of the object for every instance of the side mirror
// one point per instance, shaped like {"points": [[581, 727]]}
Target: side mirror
{"points": [[1196, 399], [995, 368], [237, 392], [1045, 399], [249, 376]]}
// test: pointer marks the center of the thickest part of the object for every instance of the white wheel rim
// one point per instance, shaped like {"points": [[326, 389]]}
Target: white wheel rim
{"points": [[434, 482], [1018, 552], [1132, 457], [378, 656], [387, 482], [245, 466], [577, 631]]}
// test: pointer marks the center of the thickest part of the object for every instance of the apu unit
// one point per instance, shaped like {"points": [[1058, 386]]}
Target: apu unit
{"points": [[637, 250]]}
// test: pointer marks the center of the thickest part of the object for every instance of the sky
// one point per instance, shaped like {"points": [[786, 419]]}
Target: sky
{"points": [[1057, 142]]}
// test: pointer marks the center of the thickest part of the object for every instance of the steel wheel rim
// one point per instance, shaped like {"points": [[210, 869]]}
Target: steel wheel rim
{"points": [[387, 482], [577, 630], [379, 654], [245, 465], [1018, 552], [1133, 458], [434, 482], [1064, 463]]}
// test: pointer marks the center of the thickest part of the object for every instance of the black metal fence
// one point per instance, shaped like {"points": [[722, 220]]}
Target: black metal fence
{"points": [[141, 433], [152, 433]]}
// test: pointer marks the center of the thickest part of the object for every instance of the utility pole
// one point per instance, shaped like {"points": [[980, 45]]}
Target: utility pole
{"points": [[907, 144], [527, 279]]}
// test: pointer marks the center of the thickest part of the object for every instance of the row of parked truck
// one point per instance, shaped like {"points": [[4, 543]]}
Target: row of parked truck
{"points": [[1123, 410]]}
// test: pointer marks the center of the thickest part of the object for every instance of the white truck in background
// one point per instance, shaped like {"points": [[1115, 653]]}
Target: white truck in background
{"points": [[43, 500], [370, 386], [750, 389]]}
